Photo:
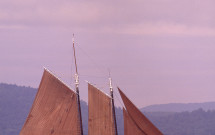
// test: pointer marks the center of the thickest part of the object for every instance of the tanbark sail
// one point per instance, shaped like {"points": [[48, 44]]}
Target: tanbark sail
{"points": [[130, 127], [54, 111], [100, 113], [140, 120]]}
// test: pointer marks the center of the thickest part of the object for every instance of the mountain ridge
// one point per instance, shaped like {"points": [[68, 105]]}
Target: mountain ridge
{"points": [[16, 101], [179, 107]]}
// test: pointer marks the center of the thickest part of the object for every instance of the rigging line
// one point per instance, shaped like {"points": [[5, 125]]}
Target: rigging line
{"points": [[90, 58], [104, 77], [71, 77], [118, 99]]}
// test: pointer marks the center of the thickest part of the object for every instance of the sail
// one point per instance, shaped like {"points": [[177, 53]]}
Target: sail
{"points": [[100, 120], [130, 128], [54, 111], [141, 121]]}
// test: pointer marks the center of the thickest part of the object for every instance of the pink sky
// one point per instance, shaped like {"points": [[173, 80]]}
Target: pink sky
{"points": [[158, 51]]}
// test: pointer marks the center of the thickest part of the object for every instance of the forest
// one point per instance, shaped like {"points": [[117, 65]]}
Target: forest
{"points": [[16, 101]]}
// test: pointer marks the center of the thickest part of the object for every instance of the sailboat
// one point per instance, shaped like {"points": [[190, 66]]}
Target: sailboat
{"points": [[56, 111]]}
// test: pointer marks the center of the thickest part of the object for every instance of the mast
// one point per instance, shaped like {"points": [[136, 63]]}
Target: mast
{"points": [[77, 88], [113, 107]]}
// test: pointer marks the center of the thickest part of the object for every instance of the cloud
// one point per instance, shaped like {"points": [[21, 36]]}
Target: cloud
{"points": [[124, 35], [13, 27], [44, 13], [185, 17], [164, 29]]}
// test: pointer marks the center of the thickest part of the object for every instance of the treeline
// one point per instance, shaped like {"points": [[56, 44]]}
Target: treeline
{"points": [[16, 101], [198, 122]]}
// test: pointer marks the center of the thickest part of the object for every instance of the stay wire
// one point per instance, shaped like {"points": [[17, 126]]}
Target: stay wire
{"points": [[98, 68], [118, 99], [92, 76]]}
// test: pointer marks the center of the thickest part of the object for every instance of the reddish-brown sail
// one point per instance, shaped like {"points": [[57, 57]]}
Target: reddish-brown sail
{"points": [[130, 128], [140, 120], [100, 113], [54, 111]]}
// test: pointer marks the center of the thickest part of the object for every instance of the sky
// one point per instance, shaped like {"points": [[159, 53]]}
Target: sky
{"points": [[157, 51]]}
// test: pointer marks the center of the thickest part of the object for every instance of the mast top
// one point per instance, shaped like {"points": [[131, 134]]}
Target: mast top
{"points": [[76, 67], [73, 38], [110, 82]]}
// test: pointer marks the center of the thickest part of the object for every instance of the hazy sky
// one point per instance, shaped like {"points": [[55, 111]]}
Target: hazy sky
{"points": [[158, 51]]}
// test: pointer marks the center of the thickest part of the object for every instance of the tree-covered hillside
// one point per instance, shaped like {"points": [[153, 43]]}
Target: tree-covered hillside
{"points": [[15, 104], [179, 107], [16, 101], [198, 122]]}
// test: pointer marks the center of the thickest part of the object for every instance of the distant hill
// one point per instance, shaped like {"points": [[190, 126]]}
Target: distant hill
{"points": [[179, 107], [16, 101], [198, 122]]}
